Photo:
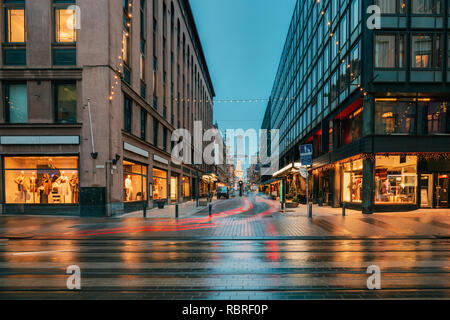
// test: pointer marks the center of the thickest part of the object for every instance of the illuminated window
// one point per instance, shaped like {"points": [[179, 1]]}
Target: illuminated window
{"points": [[65, 23], [395, 179], [15, 25], [352, 181], [426, 51], [41, 180], [159, 184], [134, 182]]}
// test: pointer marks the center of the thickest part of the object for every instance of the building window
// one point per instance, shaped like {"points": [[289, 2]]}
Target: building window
{"points": [[437, 116], [143, 124], [385, 51], [134, 182], [65, 23], [426, 51], [159, 184], [393, 116], [355, 63], [174, 188], [66, 102], [391, 6], [41, 180], [16, 103], [15, 24], [186, 187], [127, 114], [395, 179], [352, 127], [356, 14], [155, 131], [352, 181], [427, 6], [165, 139]]}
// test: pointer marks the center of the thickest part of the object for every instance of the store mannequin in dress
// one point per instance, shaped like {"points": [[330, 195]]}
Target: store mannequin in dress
{"points": [[23, 186], [128, 188], [33, 186], [74, 187], [47, 188], [64, 187]]}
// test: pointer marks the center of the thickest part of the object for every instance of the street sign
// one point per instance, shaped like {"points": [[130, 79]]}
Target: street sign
{"points": [[306, 152]]}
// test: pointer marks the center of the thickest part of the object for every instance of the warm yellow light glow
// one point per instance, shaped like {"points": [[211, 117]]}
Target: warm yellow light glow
{"points": [[16, 25], [65, 25]]}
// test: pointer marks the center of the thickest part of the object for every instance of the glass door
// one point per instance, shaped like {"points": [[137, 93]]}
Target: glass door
{"points": [[426, 191], [442, 191], [174, 189]]}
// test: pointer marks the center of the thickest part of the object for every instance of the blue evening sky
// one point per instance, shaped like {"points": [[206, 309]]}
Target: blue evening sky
{"points": [[242, 41]]}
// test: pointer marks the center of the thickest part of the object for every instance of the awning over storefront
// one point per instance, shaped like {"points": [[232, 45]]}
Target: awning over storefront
{"points": [[289, 169], [210, 178]]}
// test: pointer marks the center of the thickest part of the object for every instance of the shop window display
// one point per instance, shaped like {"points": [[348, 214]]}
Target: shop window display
{"points": [[395, 179], [159, 184], [174, 188], [353, 178], [41, 180], [135, 181], [186, 187]]}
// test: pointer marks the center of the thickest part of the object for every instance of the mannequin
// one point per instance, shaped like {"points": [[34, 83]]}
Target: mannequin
{"points": [[33, 185], [64, 187], [128, 188], [46, 188], [23, 185], [74, 187]]}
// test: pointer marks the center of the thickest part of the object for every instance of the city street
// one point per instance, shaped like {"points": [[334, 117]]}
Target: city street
{"points": [[247, 249]]}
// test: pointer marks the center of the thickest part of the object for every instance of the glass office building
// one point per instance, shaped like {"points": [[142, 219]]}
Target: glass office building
{"points": [[372, 100]]}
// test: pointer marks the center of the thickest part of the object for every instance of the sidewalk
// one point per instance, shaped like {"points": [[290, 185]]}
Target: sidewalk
{"points": [[185, 210]]}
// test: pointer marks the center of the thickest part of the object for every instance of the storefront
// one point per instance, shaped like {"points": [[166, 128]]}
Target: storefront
{"points": [[186, 188], [352, 179], [174, 188], [159, 184], [135, 182], [395, 180], [35, 181]]}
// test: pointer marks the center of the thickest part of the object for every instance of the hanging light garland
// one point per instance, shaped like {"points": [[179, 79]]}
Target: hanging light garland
{"points": [[118, 74]]}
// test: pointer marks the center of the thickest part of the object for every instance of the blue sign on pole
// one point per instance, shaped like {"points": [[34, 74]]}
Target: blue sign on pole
{"points": [[306, 152]]}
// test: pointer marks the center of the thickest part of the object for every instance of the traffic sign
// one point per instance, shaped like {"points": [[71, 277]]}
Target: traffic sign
{"points": [[306, 152]]}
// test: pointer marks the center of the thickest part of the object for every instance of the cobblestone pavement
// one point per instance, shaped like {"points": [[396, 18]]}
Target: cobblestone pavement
{"points": [[247, 249]]}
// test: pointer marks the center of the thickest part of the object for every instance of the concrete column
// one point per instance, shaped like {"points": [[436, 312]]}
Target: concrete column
{"points": [[368, 187], [368, 115], [325, 137], [336, 187]]}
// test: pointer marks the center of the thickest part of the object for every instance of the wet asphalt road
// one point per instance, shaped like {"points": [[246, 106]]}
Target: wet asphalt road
{"points": [[116, 263]]}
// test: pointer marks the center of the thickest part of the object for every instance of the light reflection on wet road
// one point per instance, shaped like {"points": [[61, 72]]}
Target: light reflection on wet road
{"points": [[246, 250], [283, 269]]}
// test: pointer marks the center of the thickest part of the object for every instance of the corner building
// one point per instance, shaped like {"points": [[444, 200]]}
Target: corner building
{"points": [[374, 103], [91, 92]]}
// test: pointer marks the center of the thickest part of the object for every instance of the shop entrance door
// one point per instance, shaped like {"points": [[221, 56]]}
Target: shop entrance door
{"points": [[426, 191], [174, 189], [442, 191]]}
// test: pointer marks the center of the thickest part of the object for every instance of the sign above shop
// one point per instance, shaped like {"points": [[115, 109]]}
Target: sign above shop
{"points": [[136, 150], [42, 140], [160, 159]]}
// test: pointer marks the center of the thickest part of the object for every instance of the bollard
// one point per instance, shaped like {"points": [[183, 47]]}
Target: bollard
{"points": [[343, 209], [144, 209], [310, 210], [210, 209], [176, 211]]}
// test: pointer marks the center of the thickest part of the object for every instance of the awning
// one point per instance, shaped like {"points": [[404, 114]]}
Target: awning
{"points": [[210, 178], [289, 169]]}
